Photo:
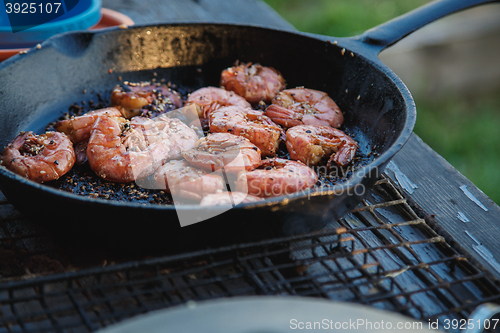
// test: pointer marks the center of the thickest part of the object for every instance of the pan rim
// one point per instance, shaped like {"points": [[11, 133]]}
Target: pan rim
{"points": [[352, 43]]}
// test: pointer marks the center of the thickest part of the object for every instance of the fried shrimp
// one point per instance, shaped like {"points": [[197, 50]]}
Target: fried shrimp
{"points": [[171, 96], [78, 128], [169, 132], [116, 152], [41, 158], [249, 123], [302, 106], [133, 101], [123, 151], [210, 98], [181, 179], [310, 144], [275, 177], [224, 150], [253, 82]]}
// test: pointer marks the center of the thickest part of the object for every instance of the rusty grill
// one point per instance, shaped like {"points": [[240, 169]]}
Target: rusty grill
{"points": [[384, 255]]}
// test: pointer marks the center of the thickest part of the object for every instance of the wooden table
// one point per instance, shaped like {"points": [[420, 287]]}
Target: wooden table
{"points": [[453, 202]]}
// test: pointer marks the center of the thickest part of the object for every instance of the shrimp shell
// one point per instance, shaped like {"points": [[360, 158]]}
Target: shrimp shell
{"points": [[310, 144], [209, 99], [110, 155], [78, 128], [276, 177], [124, 151], [172, 96], [253, 82], [41, 158], [185, 181], [171, 132], [301, 106], [131, 102], [224, 150], [249, 123]]}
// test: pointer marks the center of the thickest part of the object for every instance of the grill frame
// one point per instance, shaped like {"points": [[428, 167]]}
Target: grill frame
{"points": [[388, 253]]}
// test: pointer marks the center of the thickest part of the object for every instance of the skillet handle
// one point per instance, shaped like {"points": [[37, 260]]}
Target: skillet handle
{"points": [[387, 34]]}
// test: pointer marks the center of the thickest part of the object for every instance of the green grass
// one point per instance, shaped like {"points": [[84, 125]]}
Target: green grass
{"points": [[465, 132], [341, 18], [462, 129]]}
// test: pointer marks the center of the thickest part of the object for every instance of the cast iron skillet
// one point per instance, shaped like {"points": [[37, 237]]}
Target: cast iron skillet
{"points": [[37, 87]]}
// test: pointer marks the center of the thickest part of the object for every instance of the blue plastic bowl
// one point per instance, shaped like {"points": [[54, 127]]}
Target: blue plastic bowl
{"points": [[84, 15]]}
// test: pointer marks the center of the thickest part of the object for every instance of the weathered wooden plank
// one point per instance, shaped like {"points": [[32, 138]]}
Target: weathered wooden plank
{"points": [[462, 211]]}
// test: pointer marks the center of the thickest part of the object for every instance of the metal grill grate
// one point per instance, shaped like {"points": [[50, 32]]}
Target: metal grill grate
{"points": [[382, 255]]}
